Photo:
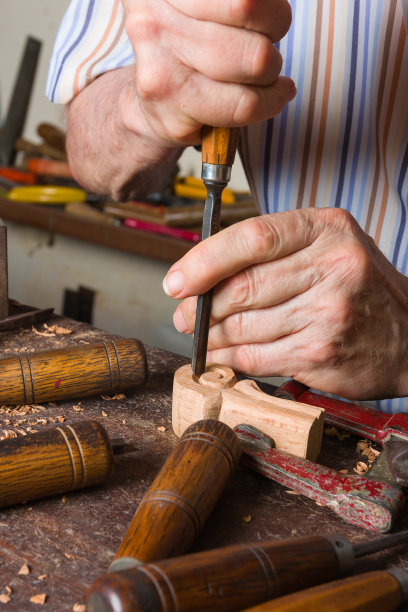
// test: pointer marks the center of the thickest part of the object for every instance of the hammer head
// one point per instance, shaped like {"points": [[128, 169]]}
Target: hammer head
{"points": [[392, 464]]}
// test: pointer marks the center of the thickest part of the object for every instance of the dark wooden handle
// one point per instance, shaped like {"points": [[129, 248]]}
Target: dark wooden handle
{"points": [[364, 593], [76, 371], [183, 494], [218, 145], [220, 580], [54, 461]]}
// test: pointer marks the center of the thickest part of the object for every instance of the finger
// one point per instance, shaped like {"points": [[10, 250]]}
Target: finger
{"points": [[243, 244], [253, 326], [272, 17]]}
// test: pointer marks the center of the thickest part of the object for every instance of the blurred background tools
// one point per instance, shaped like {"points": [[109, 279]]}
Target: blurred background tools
{"points": [[235, 577], [17, 111], [13, 314], [218, 147], [54, 461], [182, 496], [111, 366], [381, 590]]}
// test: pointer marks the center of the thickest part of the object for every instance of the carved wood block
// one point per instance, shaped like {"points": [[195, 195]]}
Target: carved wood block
{"points": [[296, 428]]}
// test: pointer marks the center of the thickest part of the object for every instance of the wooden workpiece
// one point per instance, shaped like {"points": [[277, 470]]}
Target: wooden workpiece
{"points": [[67, 541], [296, 428]]}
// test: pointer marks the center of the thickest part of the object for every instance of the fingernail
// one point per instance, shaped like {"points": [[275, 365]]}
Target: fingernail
{"points": [[180, 322], [173, 283]]}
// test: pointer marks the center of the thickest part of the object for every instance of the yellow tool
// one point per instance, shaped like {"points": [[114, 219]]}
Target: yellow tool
{"points": [[46, 194], [194, 188]]}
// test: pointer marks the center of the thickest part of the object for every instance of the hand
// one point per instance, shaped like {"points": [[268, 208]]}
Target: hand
{"points": [[205, 62], [303, 294]]}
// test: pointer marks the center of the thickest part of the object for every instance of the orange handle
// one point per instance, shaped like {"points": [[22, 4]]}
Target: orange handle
{"points": [[218, 145]]}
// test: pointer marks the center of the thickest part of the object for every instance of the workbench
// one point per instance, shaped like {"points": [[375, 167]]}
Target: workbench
{"points": [[69, 540]]}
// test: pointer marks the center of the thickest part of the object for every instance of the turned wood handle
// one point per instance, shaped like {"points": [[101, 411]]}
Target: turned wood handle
{"points": [[220, 580], [363, 593], [54, 461], [110, 366], [182, 495], [218, 145]]}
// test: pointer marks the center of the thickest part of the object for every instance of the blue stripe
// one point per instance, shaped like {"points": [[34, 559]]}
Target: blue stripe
{"points": [[401, 229], [283, 120], [75, 43], [350, 104], [74, 23]]}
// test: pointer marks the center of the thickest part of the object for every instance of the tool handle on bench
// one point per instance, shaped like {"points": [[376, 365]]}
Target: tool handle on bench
{"points": [[181, 497], [110, 366], [54, 461]]}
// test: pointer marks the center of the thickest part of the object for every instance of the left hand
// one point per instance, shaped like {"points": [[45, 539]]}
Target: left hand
{"points": [[303, 294]]}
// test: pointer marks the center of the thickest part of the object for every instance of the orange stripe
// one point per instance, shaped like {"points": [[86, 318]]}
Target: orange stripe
{"points": [[381, 90], [99, 45], [390, 110], [325, 104], [312, 103]]}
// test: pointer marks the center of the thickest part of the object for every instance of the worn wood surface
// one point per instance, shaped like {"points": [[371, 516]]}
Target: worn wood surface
{"points": [[72, 539]]}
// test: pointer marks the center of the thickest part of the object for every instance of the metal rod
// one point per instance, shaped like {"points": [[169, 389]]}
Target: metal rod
{"points": [[388, 541]]}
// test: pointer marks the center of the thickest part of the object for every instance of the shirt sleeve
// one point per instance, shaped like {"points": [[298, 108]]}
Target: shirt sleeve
{"points": [[91, 40]]}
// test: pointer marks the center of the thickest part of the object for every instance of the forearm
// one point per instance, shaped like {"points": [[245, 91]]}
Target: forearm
{"points": [[111, 148]]}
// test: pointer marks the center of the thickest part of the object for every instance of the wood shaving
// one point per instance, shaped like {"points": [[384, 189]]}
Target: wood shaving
{"points": [[361, 467], [40, 598], [78, 607], [319, 504], [362, 445], [8, 590], [21, 432], [61, 419], [64, 499], [289, 492], [335, 433], [247, 518], [56, 329], [371, 454], [47, 334], [118, 396], [161, 429], [24, 570], [77, 407], [7, 434], [43, 577], [68, 556], [124, 421], [104, 414], [343, 471], [4, 598]]}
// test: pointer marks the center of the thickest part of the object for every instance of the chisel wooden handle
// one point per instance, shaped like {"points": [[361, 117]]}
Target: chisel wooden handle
{"points": [[370, 592], [109, 367], [218, 145], [182, 495], [54, 461], [223, 580]]}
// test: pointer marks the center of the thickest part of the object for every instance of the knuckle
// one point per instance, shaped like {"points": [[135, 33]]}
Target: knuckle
{"points": [[260, 237], [246, 107], [236, 326], [263, 59], [241, 11], [247, 358], [242, 289]]}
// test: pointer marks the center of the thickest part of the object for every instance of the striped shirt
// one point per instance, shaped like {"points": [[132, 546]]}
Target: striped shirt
{"points": [[343, 141]]}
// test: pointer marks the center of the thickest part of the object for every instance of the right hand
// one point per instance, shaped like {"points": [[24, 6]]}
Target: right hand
{"points": [[206, 62]]}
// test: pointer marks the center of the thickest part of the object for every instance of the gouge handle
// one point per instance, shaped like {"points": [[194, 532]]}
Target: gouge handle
{"points": [[218, 145], [182, 495], [54, 461], [222, 580], [110, 366], [364, 593]]}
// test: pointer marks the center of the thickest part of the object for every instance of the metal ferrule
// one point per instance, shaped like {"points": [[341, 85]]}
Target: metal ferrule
{"points": [[216, 173], [402, 578], [123, 563], [344, 552]]}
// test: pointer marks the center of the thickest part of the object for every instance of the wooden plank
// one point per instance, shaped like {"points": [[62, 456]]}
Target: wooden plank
{"points": [[56, 221]]}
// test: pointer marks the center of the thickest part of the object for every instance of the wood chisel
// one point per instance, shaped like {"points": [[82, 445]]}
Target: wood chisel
{"points": [[218, 146], [234, 577]]}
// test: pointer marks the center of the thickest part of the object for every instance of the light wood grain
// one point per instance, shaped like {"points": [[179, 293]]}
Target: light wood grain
{"points": [[296, 428]]}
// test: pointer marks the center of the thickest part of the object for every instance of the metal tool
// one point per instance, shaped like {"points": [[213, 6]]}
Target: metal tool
{"points": [[388, 430], [369, 503], [218, 151], [371, 500], [17, 111], [233, 577]]}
